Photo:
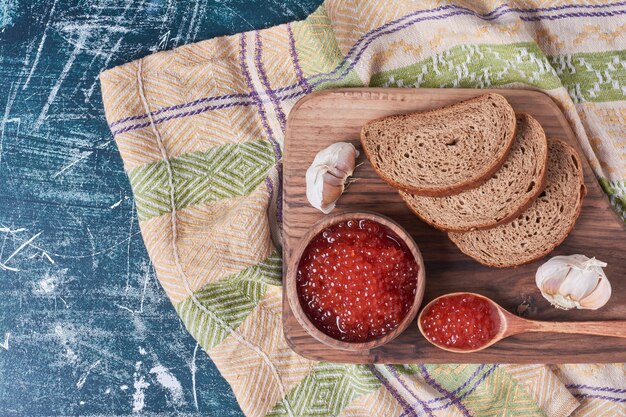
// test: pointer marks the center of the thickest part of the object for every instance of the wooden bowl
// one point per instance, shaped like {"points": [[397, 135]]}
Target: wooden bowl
{"points": [[294, 299]]}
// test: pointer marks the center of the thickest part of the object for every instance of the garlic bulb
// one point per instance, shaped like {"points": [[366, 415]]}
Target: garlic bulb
{"points": [[574, 281], [326, 177]]}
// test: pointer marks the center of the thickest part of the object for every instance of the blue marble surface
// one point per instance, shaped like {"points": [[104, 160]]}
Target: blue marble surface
{"points": [[85, 328]]}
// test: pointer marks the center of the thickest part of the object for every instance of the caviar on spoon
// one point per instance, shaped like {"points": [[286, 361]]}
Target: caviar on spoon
{"points": [[466, 322]]}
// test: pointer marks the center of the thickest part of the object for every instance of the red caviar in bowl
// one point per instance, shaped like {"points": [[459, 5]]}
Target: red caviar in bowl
{"points": [[460, 321], [356, 280]]}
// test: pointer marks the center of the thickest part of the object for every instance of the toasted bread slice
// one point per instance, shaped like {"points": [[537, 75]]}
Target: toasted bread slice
{"points": [[443, 151], [502, 197], [541, 227]]}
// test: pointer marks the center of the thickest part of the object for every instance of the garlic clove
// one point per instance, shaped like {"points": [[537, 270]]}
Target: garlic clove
{"points": [[598, 297], [578, 284], [574, 281], [331, 191], [345, 160], [553, 280], [331, 179], [564, 303], [327, 175]]}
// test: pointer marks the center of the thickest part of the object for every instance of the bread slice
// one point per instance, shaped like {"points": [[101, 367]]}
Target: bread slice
{"points": [[541, 227], [443, 151], [502, 197]]}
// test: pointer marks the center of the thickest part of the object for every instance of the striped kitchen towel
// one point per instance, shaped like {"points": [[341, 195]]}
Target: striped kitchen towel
{"points": [[200, 129]]}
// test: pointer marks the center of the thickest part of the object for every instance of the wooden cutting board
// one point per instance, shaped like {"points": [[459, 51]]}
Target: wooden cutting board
{"points": [[323, 118]]}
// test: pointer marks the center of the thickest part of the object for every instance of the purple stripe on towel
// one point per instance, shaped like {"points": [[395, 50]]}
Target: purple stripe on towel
{"points": [[604, 389], [465, 384], [178, 107], [454, 400], [471, 390], [460, 388], [266, 84], [255, 96], [270, 188], [569, 6], [601, 397], [304, 84], [179, 115], [424, 405], [576, 14], [407, 408], [456, 391]]}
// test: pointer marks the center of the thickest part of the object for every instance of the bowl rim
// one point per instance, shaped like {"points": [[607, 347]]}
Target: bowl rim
{"points": [[294, 261]]}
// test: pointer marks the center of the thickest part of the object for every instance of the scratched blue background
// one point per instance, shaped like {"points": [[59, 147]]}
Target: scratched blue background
{"points": [[85, 328]]}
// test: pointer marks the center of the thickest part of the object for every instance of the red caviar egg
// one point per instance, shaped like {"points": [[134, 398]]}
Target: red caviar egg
{"points": [[357, 280], [460, 321]]}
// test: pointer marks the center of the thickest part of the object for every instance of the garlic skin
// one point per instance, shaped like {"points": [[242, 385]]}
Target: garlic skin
{"points": [[327, 175], [574, 281]]}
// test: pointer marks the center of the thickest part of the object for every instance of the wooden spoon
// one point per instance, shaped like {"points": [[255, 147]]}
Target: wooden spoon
{"points": [[511, 324]]}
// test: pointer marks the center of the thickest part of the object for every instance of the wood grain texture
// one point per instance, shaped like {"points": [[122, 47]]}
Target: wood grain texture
{"points": [[330, 116]]}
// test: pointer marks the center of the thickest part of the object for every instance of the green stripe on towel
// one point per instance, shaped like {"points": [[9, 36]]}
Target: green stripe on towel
{"points": [[327, 390], [229, 301], [222, 172]]}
